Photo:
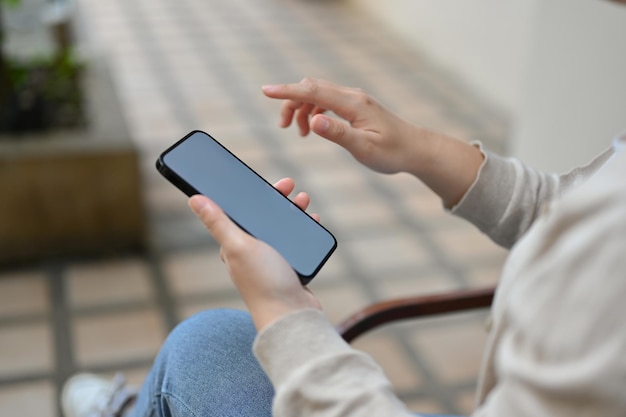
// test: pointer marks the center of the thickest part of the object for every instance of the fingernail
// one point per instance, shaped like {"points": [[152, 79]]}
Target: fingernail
{"points": [[197, 204], [268, 88], [322, 124]]}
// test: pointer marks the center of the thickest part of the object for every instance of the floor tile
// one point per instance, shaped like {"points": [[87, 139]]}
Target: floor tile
{"points": [[456, 223], [467, 243], [186, 309], [134, 377], [174, 231], [341, 301], [356, 214], [198, 271], [485, 275], [387, 251], [332, 187], [109, 282], [416, 285], [165, 198], [31, 399], [23, 293], [389, 355], [26, 349], [405, 185], [439, 344], [426, 206], [113, 337], [314, 154]]}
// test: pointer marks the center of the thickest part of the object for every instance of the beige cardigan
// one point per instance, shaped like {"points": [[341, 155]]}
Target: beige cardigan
{"points": [[557, 346]]}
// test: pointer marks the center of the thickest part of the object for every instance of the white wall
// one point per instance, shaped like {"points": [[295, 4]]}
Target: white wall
{"points": [[557, 66], [487, 41], [576, 87]]}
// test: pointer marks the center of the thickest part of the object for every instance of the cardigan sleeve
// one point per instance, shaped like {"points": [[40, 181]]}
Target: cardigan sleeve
{"points": [[316, 373], [508, 195]]}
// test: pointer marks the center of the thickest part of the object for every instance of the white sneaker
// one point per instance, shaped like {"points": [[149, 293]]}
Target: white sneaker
{"points": [[87, 395]]}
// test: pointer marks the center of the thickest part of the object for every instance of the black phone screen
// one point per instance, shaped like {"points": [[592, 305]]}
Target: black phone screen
{"points": [[198, 164]]}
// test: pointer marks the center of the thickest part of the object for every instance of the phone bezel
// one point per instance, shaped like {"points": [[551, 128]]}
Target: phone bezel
{"points": [[189, 190]]}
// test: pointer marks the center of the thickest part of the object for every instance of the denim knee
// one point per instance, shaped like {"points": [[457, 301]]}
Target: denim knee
{"points": [[206, 365], [210, 332], [214, 322]]}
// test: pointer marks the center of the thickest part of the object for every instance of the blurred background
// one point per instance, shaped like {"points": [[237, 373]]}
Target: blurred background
{"points": [[99, 255]]}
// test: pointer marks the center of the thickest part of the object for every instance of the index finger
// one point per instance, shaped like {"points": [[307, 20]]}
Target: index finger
{"points": [[322, 94]]}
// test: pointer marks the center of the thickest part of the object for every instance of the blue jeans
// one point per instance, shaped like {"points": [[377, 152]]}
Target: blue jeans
{"points": [[206, 368]]}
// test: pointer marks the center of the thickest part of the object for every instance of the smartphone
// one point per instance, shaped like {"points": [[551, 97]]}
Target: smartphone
{"points": [[199, 164]]}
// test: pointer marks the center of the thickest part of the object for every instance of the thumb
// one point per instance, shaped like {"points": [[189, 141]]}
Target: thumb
{"points": [[219, 225], [334, 130]]}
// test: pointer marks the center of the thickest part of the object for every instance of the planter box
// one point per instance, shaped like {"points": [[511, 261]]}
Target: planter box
{"points": [[73, 193]]}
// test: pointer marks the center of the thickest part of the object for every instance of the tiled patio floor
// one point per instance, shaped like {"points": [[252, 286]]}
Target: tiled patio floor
{"points": [[199, 64]]}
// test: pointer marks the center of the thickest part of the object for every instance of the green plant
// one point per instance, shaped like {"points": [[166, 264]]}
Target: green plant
{"points": [[6, 83], [40, 92]]}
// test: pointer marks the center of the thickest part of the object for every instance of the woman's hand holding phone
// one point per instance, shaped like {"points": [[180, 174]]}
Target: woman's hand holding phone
{"points": [[267, 283]]}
